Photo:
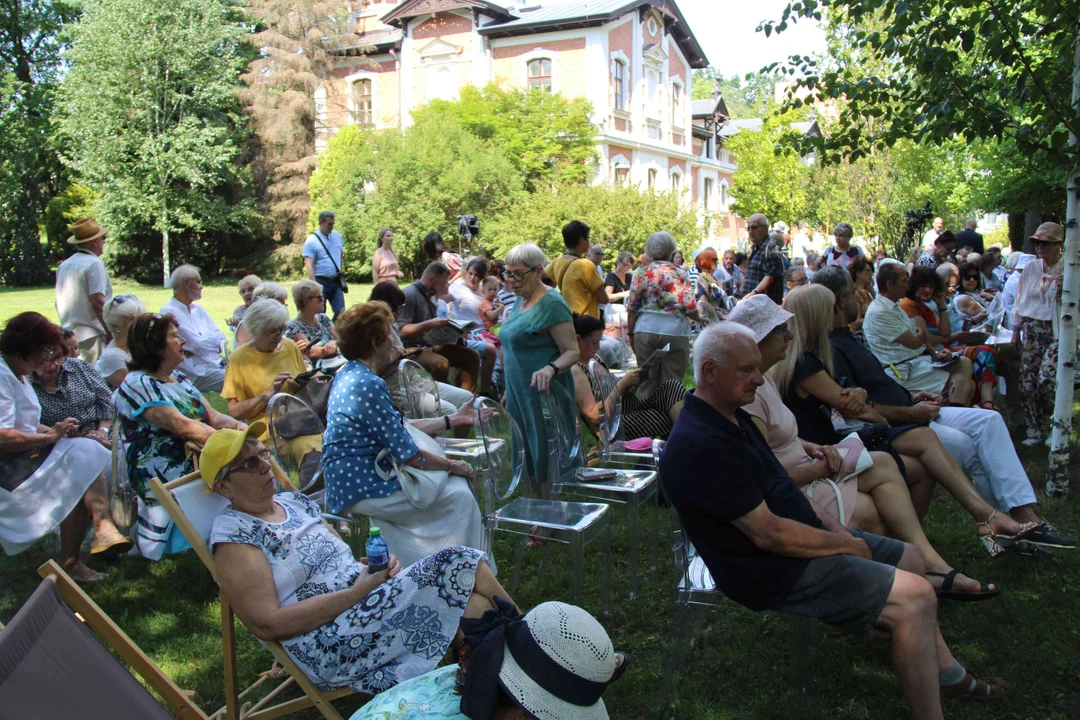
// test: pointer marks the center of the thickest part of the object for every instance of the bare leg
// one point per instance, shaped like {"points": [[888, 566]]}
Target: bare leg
{"points": [[961, 384], [910, 615], [1025, 514], [72, 530], [923, 444], [865, 516], [920, 485], [96, 500], [886, 486]]}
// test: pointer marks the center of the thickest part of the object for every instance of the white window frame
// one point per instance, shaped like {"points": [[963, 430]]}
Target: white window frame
{"points": [[619, 57], [539, 53], [678, 119], [652, 175], [676, 176], [707, 185], [723, 197], [354, 111]]}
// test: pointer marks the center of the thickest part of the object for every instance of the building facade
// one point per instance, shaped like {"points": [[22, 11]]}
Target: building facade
{"points": [[631, 59]]}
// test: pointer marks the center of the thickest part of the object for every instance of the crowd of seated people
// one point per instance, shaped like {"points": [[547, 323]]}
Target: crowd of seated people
{"points": [[832, 447]]}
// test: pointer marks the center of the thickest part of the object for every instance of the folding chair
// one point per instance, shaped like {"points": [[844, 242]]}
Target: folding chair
{"points": [[194, 510], [53, 667]]}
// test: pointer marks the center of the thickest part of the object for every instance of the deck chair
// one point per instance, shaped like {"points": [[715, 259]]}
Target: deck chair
{"points": [[193, 510], [52, 667]]}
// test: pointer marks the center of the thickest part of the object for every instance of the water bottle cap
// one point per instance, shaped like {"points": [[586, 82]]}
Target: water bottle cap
{"points": [[373, 532]]}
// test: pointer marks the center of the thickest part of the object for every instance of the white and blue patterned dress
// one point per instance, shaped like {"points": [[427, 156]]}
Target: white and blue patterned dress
{"points": [[399, 631]]}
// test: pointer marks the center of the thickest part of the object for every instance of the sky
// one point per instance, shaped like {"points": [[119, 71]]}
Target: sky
{"points": [[725, 29]]}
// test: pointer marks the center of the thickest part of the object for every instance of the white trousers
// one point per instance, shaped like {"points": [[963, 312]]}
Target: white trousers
{"points": [[452, 397], [979, 441]]}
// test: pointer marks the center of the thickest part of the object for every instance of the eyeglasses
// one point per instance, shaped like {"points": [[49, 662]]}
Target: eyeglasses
{"points": [[253, 463], [516, 276]]}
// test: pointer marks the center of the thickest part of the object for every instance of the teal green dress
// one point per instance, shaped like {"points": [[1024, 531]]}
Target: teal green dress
{"points": [[428, 697], [526, 349]]}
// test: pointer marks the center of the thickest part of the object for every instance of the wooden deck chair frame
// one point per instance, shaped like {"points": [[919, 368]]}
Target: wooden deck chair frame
{"points": [[233, 709], [180, 701]]}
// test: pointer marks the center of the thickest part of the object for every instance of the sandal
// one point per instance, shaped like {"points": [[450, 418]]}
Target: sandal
{"points": [[996, 543], [947, 593], [975, 688]]}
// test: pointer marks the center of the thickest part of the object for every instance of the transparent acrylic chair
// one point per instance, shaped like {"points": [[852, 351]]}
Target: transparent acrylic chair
{"points": [[291, 422], [629, 487], [603, 383], [574, 524]]}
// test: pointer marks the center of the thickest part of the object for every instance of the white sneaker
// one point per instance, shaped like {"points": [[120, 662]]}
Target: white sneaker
{"points": [[1031, 442]]}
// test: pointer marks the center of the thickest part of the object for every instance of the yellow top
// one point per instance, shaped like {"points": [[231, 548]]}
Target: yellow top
{"points": [[251, 372], [578, 282]]}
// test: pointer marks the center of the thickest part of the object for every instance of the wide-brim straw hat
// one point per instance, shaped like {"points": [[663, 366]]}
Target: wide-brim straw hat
{"points": [[1049, 232], [760, 314], [86, 230]]}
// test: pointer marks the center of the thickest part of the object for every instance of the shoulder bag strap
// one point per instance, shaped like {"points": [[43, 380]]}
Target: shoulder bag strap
{"points": [[328, 254]]}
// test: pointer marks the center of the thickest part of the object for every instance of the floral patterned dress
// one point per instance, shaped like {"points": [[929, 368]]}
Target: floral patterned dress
{"points": [[399, 631]]}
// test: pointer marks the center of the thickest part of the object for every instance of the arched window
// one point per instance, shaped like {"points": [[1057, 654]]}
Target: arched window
{"points": [[676, 182], [652, 178], [540, 74]]}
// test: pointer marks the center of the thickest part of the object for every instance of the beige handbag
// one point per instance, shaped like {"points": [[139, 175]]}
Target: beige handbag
{"points": [[421, 487]]}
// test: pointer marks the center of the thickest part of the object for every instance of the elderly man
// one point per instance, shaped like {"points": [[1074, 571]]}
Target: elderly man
{"points": [[969, 238], [203, 341], [418, 317], [83, 288], [765, 271], [322, 261], [931, 235], [900, 346], [770, 548], [976, 438]]}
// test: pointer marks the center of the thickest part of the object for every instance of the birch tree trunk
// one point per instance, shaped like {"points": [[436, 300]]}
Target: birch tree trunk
{"points": [[166, 261], [1057, 479]]}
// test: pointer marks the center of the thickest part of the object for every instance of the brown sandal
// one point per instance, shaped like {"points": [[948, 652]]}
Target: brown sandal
{"points": [[975, 688]]}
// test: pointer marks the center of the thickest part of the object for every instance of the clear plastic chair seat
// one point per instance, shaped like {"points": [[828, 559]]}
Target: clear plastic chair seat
{"points": [[553, 514], [627, 481], [471, 450]]}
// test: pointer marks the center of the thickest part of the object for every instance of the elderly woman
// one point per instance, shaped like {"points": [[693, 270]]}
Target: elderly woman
{"points": [[120, 311], [261, 368], [991, 281], [384, 263], [49, 476], [652, 417], [539, 348], [1036, 315], [291, 579], [805, 381], [311, 329], [876, 500], [362, 425], [160, 411], [710, 296], [843, 253], [659, 309], [246, 286], [862, 279], [266, 291]]}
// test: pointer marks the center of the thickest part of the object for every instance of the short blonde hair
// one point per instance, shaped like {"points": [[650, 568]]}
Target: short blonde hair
{"points": [[271, 291], [303, 291], [527, 254], [249, 281], [265, 314]]}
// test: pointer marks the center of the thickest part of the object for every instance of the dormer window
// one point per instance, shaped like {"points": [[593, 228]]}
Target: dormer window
{"points": [[540, 74]]}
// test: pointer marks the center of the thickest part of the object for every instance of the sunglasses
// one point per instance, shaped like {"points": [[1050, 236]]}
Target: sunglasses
{"points": [[971, 277], [253, 463]]}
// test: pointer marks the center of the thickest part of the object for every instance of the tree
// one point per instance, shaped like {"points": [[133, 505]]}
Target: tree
{"points": [[771, 177], [974, 71], [550, 138], [620, 218], [750, 96], [414, 181], [150, 114], [294, 39], [30, 169]]}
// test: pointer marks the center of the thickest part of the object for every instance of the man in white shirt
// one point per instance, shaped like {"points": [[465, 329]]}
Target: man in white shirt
{"points": [[899, 345], [931, 235], [83, 288], [203, 341], [322, 261]]}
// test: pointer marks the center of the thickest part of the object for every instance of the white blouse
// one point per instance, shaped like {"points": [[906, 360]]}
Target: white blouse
{"points": [[19, 406], [1037, 292]]}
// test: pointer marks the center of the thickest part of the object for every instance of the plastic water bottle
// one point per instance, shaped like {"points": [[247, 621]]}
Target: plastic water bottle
{"points": [[378, 553]]}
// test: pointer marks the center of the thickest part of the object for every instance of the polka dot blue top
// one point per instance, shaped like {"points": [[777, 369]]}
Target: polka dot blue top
{"points": [[361, 421]]}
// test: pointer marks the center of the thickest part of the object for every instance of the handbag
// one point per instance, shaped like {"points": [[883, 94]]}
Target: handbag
{"points": [[421, 487], [316, 394], [340, 275], [17, 468]]}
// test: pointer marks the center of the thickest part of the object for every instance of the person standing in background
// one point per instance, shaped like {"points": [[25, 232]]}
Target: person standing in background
{"points": [[322, 261], [83, 288], [932, 234], [384, 263], [969, 238]]}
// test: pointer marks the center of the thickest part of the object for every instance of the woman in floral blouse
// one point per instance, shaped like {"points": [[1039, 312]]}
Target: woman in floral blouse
{"points": [[660, 307]]}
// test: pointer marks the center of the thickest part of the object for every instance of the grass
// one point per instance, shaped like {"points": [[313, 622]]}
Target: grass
{"points": [[741, 665]]}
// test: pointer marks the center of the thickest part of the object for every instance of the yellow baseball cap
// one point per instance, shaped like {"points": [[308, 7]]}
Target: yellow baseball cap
{"points": [[222, 447]]}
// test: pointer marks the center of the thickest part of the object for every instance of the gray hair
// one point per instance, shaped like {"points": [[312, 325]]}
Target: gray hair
{"points": [[265, 314], [660, 246], [326, 215], [271, 291], [944, 270], [811, 258], [624, 256], [252, 280], [121, 308], [845, 228], [777, 237], [713, 344], [527, 254], [303, 291], [835, 278], [181, 275]]}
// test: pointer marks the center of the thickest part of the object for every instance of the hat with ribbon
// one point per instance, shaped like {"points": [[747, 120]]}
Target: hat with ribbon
{"points": [[1049, 232], [555, 662], [86, 230]]}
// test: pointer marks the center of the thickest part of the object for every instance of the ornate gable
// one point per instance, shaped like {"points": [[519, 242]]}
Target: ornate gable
{"points": [[414, 8], [654, 55], [438, 48]]}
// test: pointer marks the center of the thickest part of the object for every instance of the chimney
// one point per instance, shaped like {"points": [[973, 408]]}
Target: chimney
{"points": [[716, 90]]}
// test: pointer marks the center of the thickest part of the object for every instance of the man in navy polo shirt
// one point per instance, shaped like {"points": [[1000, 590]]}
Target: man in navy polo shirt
{"points": [[769, 547]]}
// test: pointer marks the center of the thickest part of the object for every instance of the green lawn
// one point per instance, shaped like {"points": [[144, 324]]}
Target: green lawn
{"points": [[741, 664], [219, 299]]}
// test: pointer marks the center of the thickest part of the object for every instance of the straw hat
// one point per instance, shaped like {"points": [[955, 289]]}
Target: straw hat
{"points": [[86, 230], [760, 314], [1049, 232]]}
